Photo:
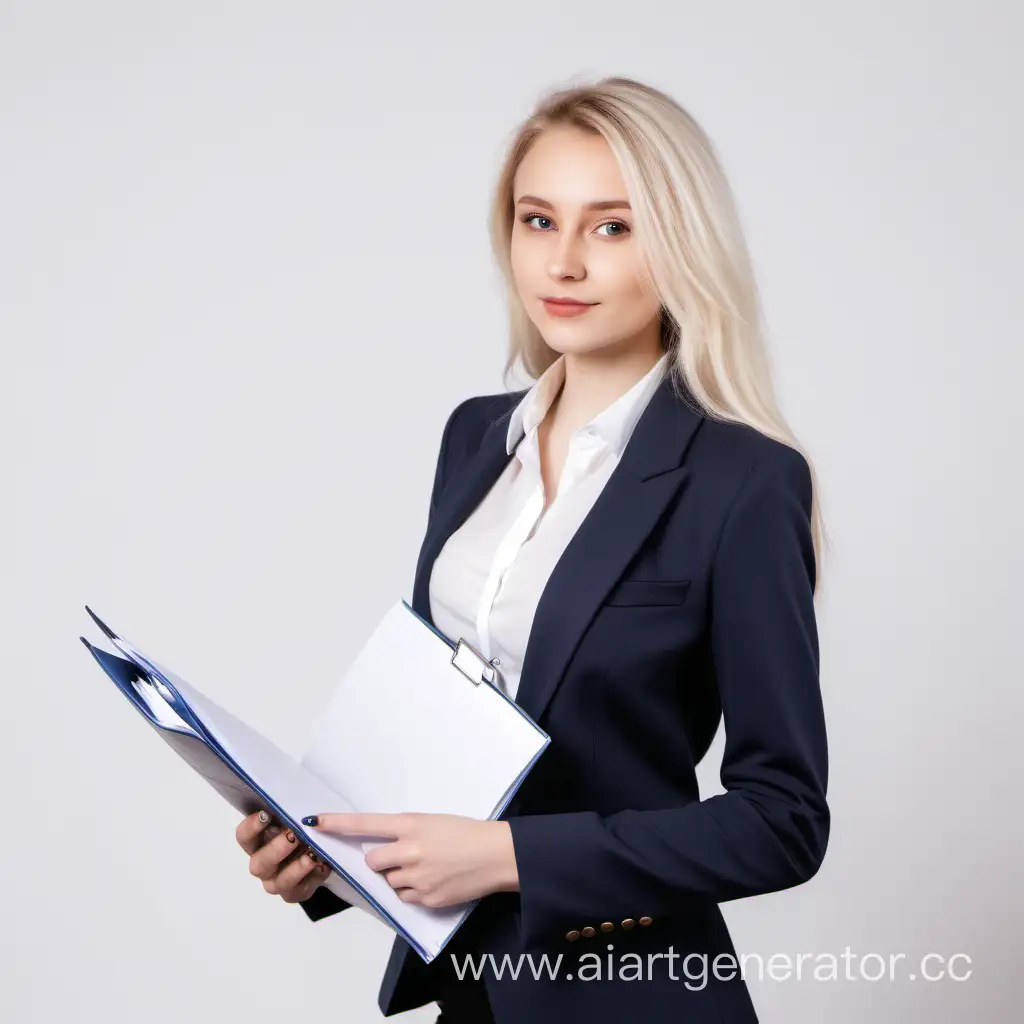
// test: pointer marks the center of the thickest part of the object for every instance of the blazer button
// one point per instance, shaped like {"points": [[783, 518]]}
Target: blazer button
{"points": [[628, 923], [607, 927], [645, 921], [588, 932], [573, 935]]}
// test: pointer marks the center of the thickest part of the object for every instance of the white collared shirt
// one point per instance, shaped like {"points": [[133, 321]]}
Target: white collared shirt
{"points": [[488, 578]]}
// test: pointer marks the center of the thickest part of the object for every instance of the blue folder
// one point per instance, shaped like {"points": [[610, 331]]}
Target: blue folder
{"points": [[153, 691]]}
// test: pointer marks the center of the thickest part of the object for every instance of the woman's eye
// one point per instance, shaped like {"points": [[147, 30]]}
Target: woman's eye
{"points": [[535, 216], [608, 224]]}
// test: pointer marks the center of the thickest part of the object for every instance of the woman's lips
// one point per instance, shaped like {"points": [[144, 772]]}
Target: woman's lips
{"points": [[567, 308]]}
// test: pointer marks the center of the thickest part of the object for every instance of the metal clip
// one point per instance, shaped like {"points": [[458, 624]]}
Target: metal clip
{"points": [[472, 664]]}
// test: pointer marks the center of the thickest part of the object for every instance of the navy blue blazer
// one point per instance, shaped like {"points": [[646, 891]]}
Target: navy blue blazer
{"points": [[685, 597]]}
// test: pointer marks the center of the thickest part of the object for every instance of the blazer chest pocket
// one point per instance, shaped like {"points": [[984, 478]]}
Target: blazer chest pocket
{"points": [[631, 593]]}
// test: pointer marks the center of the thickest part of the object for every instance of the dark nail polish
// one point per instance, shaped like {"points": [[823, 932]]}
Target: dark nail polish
{"points": [[310, 819], [290, 836]]}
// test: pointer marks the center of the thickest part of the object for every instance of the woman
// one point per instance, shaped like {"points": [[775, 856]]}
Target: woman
{"points": [[635, 540]]}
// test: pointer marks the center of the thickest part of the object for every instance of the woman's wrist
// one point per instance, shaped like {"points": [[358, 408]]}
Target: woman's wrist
{"points": [[506, 872]]}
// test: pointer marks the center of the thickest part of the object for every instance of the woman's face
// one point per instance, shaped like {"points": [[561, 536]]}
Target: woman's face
{"points": [[560, 248]]}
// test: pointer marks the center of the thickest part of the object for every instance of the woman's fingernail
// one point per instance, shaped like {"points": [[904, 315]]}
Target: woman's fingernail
{"points": [[310, 819], [323, 868], [290, 836], [264, 818], [311, 855]]}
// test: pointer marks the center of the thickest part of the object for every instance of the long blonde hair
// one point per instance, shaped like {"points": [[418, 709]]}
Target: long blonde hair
{"points": [[694, 254]]}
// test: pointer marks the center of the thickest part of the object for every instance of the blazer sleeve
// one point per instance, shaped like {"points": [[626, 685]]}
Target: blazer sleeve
{"points": [[769, 830], [323, 903]]}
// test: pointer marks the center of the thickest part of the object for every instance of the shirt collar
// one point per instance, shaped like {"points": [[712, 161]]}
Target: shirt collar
{"points": [[613, 425]]}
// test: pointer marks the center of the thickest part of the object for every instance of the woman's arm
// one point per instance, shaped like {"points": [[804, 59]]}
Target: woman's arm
{"points": [[770, 829]]}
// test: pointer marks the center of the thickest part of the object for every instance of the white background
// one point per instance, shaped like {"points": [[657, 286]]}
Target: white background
{"points": [[246, 278]]}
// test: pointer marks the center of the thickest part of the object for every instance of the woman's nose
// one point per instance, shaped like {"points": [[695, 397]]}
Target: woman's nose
{"points": [[566, 261]]}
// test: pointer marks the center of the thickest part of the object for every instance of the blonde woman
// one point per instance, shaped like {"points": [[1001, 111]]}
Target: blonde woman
{"points": [[635, 539]]}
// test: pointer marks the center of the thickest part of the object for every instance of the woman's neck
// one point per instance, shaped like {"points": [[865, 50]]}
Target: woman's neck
{"points": [[594, 380]]}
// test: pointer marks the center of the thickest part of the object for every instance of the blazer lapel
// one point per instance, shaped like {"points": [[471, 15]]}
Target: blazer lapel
{"points": [[647, 478]]}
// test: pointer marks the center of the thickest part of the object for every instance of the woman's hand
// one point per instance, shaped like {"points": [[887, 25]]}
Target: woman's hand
{"points": [[287, 870], [437, 860]]}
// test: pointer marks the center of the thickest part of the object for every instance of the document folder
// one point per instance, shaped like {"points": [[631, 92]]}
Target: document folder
{"points": [[418, 723]]}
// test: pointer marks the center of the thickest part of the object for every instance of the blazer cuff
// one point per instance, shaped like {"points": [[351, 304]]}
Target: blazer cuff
{"points": [[571, 879], [323, 903]]}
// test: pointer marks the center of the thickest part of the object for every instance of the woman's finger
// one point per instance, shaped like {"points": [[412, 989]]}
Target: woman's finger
{"points": [[295, 868], [266, 861], [302, 874], [304, 890], [249, 833], [398, 878]]}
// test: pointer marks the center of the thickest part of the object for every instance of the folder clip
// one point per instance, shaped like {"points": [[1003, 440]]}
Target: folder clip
{"points": [[472, 664]]}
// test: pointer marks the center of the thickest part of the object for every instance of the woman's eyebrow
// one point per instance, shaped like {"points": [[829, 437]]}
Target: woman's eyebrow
{"points": [[600, 204]]}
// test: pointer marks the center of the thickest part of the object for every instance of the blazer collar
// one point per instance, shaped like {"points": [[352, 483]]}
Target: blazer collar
{"points": [[612, 425], [647, 478]]}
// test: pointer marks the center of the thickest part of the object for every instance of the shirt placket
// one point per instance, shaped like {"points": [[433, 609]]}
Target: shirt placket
{"points": [[582, 455]]}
